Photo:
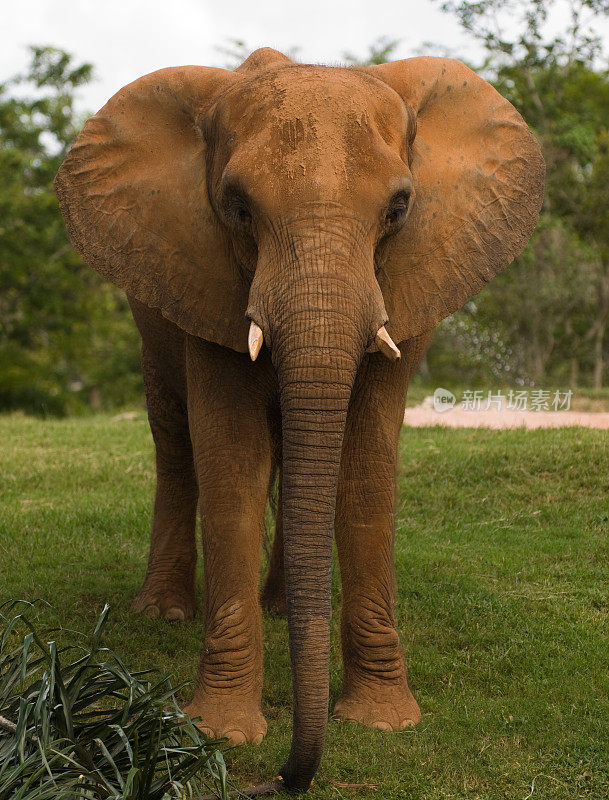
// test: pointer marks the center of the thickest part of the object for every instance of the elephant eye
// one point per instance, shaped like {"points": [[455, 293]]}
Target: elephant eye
{"points": [[238, 211], [398, 209], [235, 202]]}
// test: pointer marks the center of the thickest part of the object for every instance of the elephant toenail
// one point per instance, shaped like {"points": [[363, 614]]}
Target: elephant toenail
{"points": [[258, 738], [152, 612], [208, 732], [175, 614], [382, 726], [235, 737], [407, 723]]}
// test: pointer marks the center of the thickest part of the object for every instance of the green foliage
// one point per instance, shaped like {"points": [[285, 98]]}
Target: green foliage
{"points": [[553, 303], [380, 51], [467, 348], [66, 338], [489, 20], [75, 723]]}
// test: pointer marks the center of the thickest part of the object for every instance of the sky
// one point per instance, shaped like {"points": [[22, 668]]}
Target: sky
{"points": [[128, 38]]}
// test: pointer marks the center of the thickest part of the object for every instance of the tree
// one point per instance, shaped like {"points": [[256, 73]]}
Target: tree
{"points": [[65, 336], [556, 296], [381, 50]]}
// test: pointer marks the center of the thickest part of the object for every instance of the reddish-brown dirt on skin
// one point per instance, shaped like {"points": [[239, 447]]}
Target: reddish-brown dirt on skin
{"points": [[425, 415]]}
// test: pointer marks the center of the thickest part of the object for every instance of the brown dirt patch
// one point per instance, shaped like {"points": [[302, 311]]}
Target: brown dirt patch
{"points": [[425, 415]]}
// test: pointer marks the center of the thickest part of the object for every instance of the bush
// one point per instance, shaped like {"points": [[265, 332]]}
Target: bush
{"points": [[75, 723]]}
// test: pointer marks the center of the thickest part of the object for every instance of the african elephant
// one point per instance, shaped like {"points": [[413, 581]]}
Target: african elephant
{"points": [[315, 217]]}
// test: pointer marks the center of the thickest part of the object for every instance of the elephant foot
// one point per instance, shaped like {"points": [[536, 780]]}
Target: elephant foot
{"points": [[388, 708], [168, 602], [227, 717]]}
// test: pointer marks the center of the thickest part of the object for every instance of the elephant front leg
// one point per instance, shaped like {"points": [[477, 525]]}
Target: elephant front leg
{"points": [[232, 451], [375, 689], [228, 691], [375, 686]]}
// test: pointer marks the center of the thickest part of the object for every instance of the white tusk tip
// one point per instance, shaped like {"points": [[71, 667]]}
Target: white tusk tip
{"points": [[386, 345], [254, 340]]}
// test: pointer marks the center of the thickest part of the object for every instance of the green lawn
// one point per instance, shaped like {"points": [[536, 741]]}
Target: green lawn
{"points": [[503, 576]]}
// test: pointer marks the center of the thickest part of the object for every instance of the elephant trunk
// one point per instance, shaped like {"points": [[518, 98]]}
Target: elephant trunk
{"points": [[319, 328], [315, 390]]}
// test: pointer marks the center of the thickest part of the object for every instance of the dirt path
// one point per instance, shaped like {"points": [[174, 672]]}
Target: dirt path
{"points": [[425, 414]]}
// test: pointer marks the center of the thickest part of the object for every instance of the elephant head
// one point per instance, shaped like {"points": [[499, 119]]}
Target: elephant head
{"points": [[325, 211]]}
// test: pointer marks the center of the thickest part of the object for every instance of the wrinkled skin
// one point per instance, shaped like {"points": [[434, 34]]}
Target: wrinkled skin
{"points": [[314, 205]]}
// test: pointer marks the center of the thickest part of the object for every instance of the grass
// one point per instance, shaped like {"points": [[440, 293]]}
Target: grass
{"points": [[502, 561]]}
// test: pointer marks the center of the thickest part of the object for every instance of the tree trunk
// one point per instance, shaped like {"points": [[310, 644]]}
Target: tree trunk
{"points": [[599, 363]]}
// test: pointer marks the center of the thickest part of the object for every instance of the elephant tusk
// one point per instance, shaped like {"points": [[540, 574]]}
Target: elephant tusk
{"points": [[386, 345], [254, 340]]}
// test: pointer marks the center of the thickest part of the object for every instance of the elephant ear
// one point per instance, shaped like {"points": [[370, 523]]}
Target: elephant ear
{"points": [[478, 178], [133, 194]]}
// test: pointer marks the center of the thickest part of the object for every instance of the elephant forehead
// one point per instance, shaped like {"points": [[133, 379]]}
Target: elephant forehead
{"points": [[299, 104], [312, 125]]}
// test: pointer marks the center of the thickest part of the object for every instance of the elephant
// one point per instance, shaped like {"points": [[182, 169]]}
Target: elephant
{"points": [[288, 237]]}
